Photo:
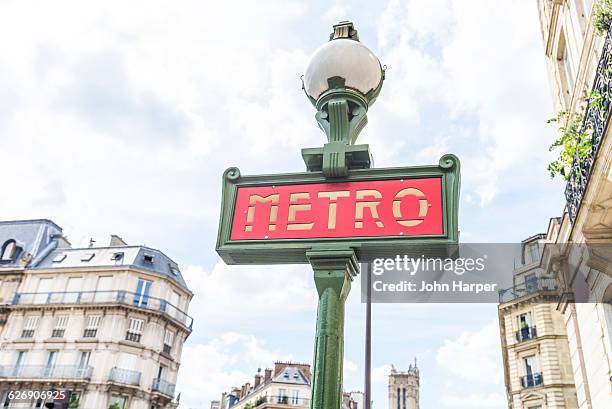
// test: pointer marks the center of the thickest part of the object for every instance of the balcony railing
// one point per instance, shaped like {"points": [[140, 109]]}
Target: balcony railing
{"points": [[526, 288], [525, 334], [133, 336], [282, 400], [531, 381], [46, 372], [163, 386], [594, 126], [105, 297], [124, 376]]}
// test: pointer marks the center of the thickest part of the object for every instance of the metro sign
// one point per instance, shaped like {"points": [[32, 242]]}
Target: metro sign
{"points": [[350, 209], [276, 219]]}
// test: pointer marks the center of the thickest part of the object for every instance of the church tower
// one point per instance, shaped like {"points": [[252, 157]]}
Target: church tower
{"points": [[404, 388]]}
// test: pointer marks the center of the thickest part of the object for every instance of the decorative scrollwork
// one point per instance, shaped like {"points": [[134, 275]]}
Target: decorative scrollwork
{"points": [[232, 173], [595, 122], [448, 161]]}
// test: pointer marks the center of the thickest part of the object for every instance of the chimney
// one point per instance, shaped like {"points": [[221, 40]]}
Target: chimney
{"points": [[267, 375], [278, 367], [257, 381], [116, 241]]}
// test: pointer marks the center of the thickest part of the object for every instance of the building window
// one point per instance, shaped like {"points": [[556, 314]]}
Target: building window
{"points": [[91, 326], [61, 322], [30, 326], [587, 4], [117, 258], [566, 63], [21, 355], [534, 253], [118, 401], [134, 332], [143, 288], [295, 397], [282, 396], [9, 250], [173, 270], [168, 341], [87, 257], [51, 358], [526, 329], [398, 399], [59, 258], [83, 363], [532, 377], [531, 282]]}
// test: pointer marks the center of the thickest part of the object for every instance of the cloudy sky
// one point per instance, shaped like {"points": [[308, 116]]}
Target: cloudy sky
{"points": [[120, 117]]}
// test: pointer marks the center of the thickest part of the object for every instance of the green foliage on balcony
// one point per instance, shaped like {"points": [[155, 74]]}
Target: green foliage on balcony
{"points": [[74, 402], [602, 16], [570, 144]]}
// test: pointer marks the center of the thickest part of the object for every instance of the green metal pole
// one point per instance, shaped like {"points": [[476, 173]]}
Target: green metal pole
{"points": [[333, 272]]}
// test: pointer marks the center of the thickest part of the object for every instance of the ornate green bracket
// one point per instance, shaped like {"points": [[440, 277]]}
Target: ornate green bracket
{"points": [[333, 270], [341, 114]]}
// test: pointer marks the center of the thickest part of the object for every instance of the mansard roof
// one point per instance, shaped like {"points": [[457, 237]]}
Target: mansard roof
{"points": [[38, 247], [32, 239]]}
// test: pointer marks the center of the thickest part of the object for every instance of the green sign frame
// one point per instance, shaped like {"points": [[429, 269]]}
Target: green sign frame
{"points": [[293, 251]]}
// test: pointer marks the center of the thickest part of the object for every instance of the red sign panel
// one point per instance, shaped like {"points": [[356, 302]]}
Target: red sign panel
{"points": [[402, 207]]}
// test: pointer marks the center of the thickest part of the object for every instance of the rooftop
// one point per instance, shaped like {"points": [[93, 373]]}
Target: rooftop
{"points": [[39, 244]]}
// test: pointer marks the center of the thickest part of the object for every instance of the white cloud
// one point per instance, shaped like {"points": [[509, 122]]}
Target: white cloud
{"points": [[440, 61], [208, 369], [250, 292], [474, 356], [349, 366], [381, 373]]}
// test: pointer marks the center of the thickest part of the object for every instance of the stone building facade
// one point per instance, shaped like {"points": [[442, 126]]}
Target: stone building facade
{"points": [[404, 388], [104, 324], [579, 61], [535, 350]]}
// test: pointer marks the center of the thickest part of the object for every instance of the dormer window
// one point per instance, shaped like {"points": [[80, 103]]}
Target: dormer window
{"points": [[117, 258], [9, 250], [148, 258], [173, 270], [59, 258], [88, 256]]}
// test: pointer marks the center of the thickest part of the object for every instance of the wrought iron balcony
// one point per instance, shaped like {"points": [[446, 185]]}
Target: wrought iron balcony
{"points": [[105, 297], [526, 288], [124, 376], [594, 124], [163, 386], [282, 400], [525, 334], [133, 336], [532, 380], [46, 372]]}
